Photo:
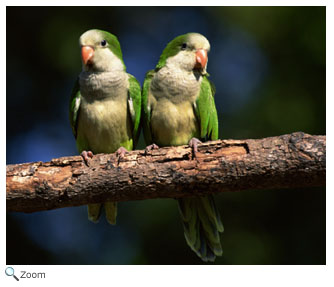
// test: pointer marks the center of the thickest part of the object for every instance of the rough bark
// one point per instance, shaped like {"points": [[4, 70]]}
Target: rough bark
{"points": [[287, 161]]}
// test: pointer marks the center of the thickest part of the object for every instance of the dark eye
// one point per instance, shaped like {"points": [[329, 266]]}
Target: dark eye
{"points": [[103, 43], [184, 46]]}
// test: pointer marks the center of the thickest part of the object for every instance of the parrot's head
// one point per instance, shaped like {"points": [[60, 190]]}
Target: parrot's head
{"points": [[100, 52], [187, 52]]}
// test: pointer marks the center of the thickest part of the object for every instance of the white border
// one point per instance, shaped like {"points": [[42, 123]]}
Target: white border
{"points": [[179, 275]]}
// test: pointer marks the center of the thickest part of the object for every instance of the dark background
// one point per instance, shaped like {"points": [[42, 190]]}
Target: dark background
{"points": [[268, 65]]}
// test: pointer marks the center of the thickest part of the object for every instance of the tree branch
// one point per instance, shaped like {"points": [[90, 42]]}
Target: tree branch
{"points": [[287, 161]]}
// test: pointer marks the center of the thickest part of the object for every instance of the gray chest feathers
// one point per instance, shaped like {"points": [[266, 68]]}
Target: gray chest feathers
{"points": [[104, 121], [175, 85], [95, 86], [173, 94]]}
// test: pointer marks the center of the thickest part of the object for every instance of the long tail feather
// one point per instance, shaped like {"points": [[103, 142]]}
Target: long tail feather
{"points": [[202, 226], [111, 211], [94, 212]]}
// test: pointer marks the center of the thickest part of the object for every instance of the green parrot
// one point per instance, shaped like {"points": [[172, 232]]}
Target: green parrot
{"points": [[105, 105], [178, 108]]}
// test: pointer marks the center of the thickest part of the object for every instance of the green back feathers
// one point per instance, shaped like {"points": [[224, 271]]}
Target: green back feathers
{"points": [[205, 110], [74, 107], [172, 48], [146, 110], [134, 104]]}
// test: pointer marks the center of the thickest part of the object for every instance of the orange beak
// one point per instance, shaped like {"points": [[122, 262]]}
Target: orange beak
{"points": [[87, 54], [201, 58]]}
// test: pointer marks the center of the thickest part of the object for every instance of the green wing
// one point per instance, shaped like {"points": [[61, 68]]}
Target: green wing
{"points": [[205, 110], [146, 108], [75, 107], [201, 219], [134, 100]]}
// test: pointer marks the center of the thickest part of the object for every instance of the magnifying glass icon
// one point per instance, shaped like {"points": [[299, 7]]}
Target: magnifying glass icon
{"points": [[10, 272]]}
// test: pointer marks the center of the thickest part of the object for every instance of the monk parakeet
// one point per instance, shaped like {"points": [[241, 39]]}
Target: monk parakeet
{"points": [[105, 105], [178, 108]]}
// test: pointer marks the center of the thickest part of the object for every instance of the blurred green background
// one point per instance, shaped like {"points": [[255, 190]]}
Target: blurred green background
{"points": [[269, 67]]}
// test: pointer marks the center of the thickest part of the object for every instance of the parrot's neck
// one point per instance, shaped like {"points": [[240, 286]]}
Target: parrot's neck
{"points": [[103, 85], [176, 84]]}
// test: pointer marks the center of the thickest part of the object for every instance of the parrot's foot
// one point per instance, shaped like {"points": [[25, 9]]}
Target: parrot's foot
{"points": [[151, 147], [193, 143], [121, 153], [86, 155]]}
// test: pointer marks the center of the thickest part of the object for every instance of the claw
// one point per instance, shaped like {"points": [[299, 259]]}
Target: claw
{"points": [[151, 147], [86, 155], [121, 151], [193, 143]]}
